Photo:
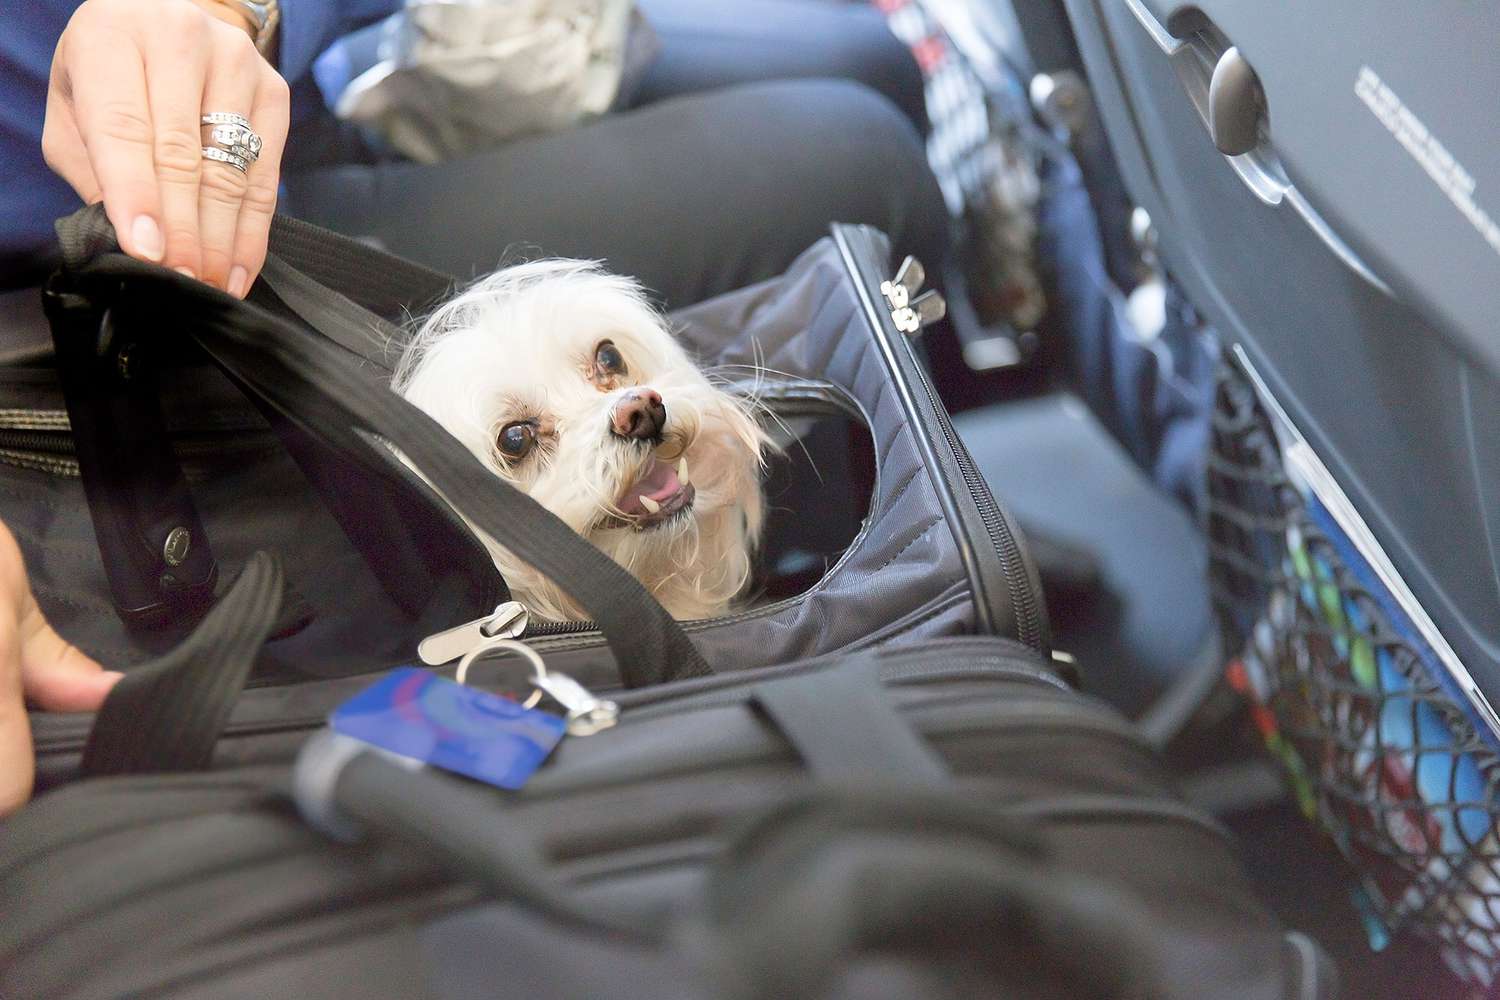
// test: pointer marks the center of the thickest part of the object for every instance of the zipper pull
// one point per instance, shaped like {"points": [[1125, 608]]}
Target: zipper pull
{"points": [[507, 621], [924, 310], [910, 311], [587, 714], [900, 289]]}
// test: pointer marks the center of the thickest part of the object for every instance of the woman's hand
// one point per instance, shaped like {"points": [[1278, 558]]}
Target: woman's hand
{"points": [[130, 80], [36, 665]]}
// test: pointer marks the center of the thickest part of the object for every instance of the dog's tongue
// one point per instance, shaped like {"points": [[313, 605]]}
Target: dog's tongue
{"points": [[659, 483]]}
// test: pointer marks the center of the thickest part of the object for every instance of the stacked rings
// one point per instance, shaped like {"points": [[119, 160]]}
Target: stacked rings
{"points": [[234, 141]]}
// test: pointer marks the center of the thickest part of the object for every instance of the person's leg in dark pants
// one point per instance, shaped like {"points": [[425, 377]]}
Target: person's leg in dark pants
{"points": [[694, 196], [706, 44]]}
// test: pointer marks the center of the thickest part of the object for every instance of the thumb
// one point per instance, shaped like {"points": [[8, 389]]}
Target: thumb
{"points": [[17, 769], [57, 676]]}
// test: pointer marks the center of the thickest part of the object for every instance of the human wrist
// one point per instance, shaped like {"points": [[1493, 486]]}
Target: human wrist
{"points": [[260, 19]]}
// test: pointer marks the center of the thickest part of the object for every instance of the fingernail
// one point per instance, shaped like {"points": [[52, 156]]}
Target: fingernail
{"points": [[239, 279], [146, 235], [185, 271]]}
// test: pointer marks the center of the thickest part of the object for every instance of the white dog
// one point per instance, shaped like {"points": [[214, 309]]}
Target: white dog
{"points": [[563, 380]]}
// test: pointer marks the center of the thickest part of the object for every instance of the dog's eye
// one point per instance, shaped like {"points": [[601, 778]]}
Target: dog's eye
{"points": [[608, 360], [517, 439]]}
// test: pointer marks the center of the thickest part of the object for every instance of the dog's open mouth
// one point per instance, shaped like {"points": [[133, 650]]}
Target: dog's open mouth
{"points": [[661, 493]]}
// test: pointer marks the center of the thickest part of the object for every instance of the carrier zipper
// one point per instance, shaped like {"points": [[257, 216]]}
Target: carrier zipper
{"points": [[558, 633], [41, 446], [547, 630], [910, 313], [44, 440], [1019, 580]]}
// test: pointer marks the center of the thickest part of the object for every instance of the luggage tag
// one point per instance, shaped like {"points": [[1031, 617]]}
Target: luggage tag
{"points": [[420, 716]]}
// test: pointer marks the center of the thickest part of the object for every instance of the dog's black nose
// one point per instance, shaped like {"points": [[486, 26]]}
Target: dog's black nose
{"points": [[639, 413]]}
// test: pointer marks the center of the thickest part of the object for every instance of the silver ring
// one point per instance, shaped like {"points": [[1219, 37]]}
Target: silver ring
{"points": [[224, 156], [531, 656], [238, 140], [224, 118], [232, 133]]}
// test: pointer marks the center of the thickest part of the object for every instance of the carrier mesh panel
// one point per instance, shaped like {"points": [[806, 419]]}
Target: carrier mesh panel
{"points": [[1342, 690]]}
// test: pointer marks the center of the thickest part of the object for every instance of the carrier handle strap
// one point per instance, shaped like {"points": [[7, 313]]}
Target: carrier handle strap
{"points": [[385, 284], [348, 291], [168, 714], [843, 724], [310, 378]]}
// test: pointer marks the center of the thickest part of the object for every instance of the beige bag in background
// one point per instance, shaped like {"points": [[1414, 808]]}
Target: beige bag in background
{"points": [[459, 76]]}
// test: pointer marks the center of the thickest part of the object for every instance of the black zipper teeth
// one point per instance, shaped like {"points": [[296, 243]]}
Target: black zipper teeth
{"points": [[1017, 579], [536, 630], [48, 442], [1013, 565]]}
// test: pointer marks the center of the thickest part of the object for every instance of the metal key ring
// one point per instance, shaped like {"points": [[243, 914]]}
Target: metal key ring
{"points": [[511, 646]]}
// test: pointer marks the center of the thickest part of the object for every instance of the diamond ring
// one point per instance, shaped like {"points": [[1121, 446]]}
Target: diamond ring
{"points": [[231, 134], [224, 156]]}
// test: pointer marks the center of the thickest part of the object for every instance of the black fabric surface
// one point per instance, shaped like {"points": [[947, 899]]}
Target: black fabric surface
{"points": [[167, 715], [694, 196]]}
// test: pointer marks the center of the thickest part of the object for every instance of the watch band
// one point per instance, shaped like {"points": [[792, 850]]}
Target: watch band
{"points": [[264, 16]]}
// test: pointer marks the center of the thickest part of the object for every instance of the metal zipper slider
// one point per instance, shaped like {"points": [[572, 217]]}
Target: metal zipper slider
{"points": [[910, 311], [507, 621], [587, 714], [924, 310]]}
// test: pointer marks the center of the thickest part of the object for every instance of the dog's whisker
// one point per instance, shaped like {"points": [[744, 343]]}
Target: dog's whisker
{"points": [[759, 370]]}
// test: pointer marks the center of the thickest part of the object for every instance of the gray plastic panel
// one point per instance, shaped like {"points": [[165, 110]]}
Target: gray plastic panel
{"points": [[1364, 291]]}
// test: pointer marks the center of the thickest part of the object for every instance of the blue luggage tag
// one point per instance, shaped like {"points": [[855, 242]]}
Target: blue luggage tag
{"points": [[420, 715]]}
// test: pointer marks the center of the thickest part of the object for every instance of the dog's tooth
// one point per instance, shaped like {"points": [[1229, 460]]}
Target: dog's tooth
{"points": [[682, 473], [652, 507]]}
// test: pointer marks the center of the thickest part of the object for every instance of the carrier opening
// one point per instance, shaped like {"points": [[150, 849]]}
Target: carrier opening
{"points": [[818, 490]]}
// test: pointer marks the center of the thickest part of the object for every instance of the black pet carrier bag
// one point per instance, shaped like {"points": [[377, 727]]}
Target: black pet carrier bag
{"points": [[882, 530], [918, 811]]}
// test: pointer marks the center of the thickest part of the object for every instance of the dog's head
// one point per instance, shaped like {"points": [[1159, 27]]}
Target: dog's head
{"points": [[563, 380]]}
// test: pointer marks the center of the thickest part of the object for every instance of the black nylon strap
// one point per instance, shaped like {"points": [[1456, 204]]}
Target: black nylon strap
{"points": [[372, 339], [312, 380], [387, 285], [843, 724], [167, 715]]}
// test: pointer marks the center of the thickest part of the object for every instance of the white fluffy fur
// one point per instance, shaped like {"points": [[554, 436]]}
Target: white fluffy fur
{"points": [[518, 345]]}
